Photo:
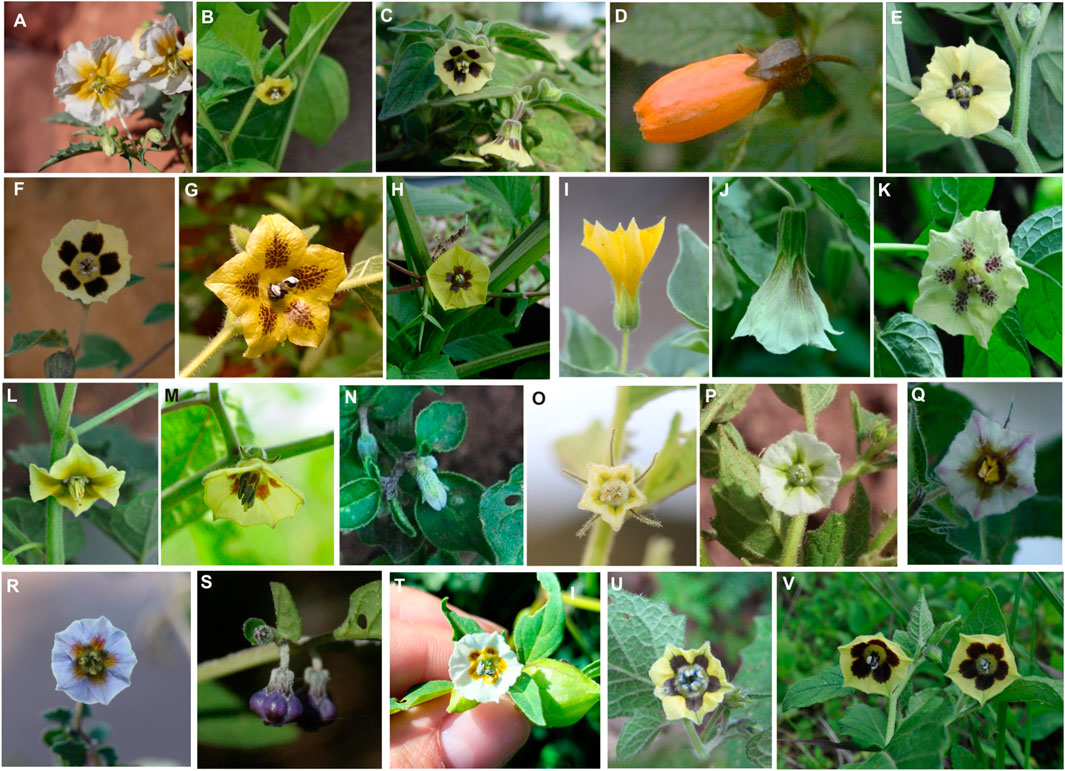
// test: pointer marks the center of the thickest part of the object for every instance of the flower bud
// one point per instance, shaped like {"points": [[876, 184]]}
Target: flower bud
{"points": [[367, 446], [108, 145], [155, 136], [274, 708], [434, 492], [1028, 16], [548, 91]]}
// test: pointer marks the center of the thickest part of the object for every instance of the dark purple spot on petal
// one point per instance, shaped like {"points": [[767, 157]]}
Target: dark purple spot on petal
{"points": [[92, 242], [454, 50], [69, 280], [96, 287], [67, 252], [109, 263]]}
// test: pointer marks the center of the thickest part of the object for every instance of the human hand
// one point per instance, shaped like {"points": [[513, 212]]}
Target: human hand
{"points": [[427, 736]]}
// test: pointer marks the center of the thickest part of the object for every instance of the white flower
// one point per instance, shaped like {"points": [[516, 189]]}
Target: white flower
{"points": [[800, 474], [989, 469], [166, 62], [965, 90], [483, 667], [96, 84]]}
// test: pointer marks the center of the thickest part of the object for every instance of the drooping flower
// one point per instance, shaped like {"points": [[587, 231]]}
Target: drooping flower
{"points": [[799, 474], [92, 661], [690, 683], [434, 492], [785, 312], [873, 664], [96, 84], [87, 261], [250, 493], [464, 68], [970, 278], [508, 145], [280, 286], [483, 667], [989, 469], [273, 90], [625, 253], [458, 279], [167, 61], [982, 666], [274, 707], [965, 90], [76, 481]]}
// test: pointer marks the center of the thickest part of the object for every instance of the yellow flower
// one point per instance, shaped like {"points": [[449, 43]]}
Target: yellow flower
{"points": [[690, 683], [250, 494], [508, 146], [625, 253], [458, 279], [965, 90], [873, 664], [611, 492], [279, 286], [77, 481], [982, 665], [464, 68], [273, 91], [87, 261]]}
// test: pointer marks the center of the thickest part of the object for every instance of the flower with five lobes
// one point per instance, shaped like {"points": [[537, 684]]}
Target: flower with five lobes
{"points": [[965, 90], [483, 667], [280, 287], [690, 683], [464, 68], [92, 661], [76, 481], [625, 253], [458, 279], [508, 145], [250, 493], [989, 469], [612, 493], [970, 278], [873, 664], [982, 666], [88, 261], [167, 62], [273, 90], [799, 474], [96, 84]]}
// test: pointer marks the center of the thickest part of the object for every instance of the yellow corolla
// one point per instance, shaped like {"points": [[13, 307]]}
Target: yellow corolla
{"points": [[274, 90], [982, 665], [458, 279], [611, 492], [250, 493], [87, 261], [280, 287], [77, 481], [874, 664], [965, 90], [690, 683], [625, 253]]}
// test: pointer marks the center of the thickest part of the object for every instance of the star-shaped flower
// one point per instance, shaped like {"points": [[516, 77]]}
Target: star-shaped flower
{"points": [[690, 683], [965, 90], [92, 661], [458, 279], [280, 286], [873, 664], [273, 90], [77, 481], [96, 84], [982, 665], [625, 253], [250, 493], [87, 261]]}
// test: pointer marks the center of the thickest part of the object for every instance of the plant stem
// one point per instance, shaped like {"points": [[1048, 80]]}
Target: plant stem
{"points": [[176, 136], [625, 351], [697, 743], [983, 540], [793, 541], [212, 347], [907, 88], [204, 121], [53, 537], [582, 602], [49, 404], [231, 137], [277, 22], [220, 414], [161, 350], [250, 658], [782, 189], [900, 247], [82, 428], [201, 401], [601, 541], [1026, 161], [505, 357], [81, 330]]}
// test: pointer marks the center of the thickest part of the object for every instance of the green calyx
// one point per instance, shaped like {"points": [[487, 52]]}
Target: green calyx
{"points": [[627, 312], [791, 233], [566, 693]]}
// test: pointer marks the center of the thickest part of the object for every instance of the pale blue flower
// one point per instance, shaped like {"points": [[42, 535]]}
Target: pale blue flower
{"points": [[92, 661]]}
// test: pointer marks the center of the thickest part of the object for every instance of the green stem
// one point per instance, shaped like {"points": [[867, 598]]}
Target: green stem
{"points": [[893, 700], [983, 540], [1026, 161], [1003, 709], [49, 403], [204, 121], [582, 602], [201, 401], [600, 543], [81, 330], [900, 247], [1040, 271], [53, 537], [782, 189], [505, 357], [886, 533], [976, 161], [212, 347], [249, 658], [697, 743], [38, 547], [793, 541], [231, 137], [277, 22], [625, 351], [118, 409], [229, 434]]}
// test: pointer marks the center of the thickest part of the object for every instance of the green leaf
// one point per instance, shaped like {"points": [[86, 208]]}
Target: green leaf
{"points": [[670, 358], [504, 522], [730, 400], [159, 313], [460, 625], [512, 29], [585, 347], [133, 524], [242, 166], [173, 109], [72, 752], [907, 346], [108, 754], [920, 626], [526, 697], [313, 22], [843, 202], [807, 399], [867, 725], [72, 150], [920, 741], [689, 281], [58, 715], [955, 198], [416, 26], [824, 686], [289, 625], [755, 674], [28, 518], [325, 101], [526, 48], [744, 522], [538, 635], [240, 32], [1044, 690], [985, 617], [224, 720], [759, 749], [842, 538], [411, 82], [1039, 236], [430, 366], [456, 527], [576, 102], [360, 500], [999, 359], [102, 351], [1038, 241], [363, 621], [441, 426], [637, 732], [1010, 330], [67, 119], [753, 255], [434, 689], [249, 630], [566, 693], [46, 338]]}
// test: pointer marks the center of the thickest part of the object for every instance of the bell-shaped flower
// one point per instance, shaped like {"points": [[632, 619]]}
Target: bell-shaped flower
{"points": [[799, 474], [273, 90], [280, 286], [989, 469], [250, 493], [625, 253], [483, 667], [96, 84], [873, 664], [690, 683], [76, 481], [434, 492], [785, 311], [166, 59], [464, 68], [87, 261], [982, 665], [508, 146], [965, 90], [92, 661], [458, 279], [611, 492], [970, 278]]}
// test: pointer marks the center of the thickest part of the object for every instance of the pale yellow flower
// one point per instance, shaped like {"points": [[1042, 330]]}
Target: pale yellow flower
{"points": [[77, 481], [965, 90]]}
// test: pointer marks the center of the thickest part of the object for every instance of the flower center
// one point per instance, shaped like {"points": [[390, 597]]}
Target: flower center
{"points": [[873, 660], [461, 63], [800, 475], [88, 267], [986, 664], [93, 662], [991, 469], [76, 487], [614, 493], [692, 680], [962, 90], [275, 93], [487, 665], [459, 278], [99, 83]]}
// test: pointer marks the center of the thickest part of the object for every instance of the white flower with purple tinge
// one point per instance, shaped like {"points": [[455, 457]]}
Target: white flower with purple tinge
{"points": [[92, 661], [989, 469]]}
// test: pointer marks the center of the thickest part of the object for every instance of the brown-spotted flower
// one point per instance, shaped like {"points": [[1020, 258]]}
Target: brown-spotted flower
{"points": [[508, 146], [280, 287], [873, 664], [464, 68], [690, 683], [87, 261], [77, 481], [982, 666]]}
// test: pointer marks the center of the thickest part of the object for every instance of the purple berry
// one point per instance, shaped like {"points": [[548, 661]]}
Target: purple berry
{"points": [[327, 710], [293, 709], [275, 709]]}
